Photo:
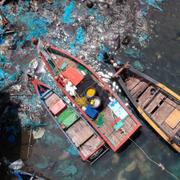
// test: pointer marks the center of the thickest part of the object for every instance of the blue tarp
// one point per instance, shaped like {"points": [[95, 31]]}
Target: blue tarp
{"points": [[117, 109]]}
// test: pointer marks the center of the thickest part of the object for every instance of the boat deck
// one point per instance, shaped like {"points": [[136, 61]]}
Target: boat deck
{"points": [[112, 121], [163, 110]]}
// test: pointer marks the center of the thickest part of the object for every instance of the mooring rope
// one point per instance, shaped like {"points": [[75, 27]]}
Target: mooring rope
{"points": [[160, 165]]}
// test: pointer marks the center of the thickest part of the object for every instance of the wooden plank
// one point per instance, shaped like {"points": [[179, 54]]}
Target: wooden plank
{"points": [[131, 83], [139, 89], [91, 145], [58, 63], [79, 132], [167, 130], [146, 97], [114, 140], [118, 136], [159, 97], [108, 118], [129, 124], [106, 128], [162, 112], [173, 119], [172, 103]]}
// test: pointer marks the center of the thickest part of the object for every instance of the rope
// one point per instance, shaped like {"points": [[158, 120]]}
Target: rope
{"points": [[160, 165]]}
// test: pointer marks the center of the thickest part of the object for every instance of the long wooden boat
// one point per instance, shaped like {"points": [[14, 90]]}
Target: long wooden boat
{"points": [[157, 104], [106, 113], [83, 137]]}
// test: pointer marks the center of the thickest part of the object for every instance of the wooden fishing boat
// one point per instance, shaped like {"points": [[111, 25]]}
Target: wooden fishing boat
{"points": [[157, 104], [88, 143], [93, 98]]}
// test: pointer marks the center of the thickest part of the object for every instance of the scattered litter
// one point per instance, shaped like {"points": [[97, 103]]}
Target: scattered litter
{"points": [[16, 165], [37, 134], [103, 50], [17, 87]]}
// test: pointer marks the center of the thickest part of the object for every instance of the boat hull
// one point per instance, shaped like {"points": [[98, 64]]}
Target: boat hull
{"points": [[146, 116]]}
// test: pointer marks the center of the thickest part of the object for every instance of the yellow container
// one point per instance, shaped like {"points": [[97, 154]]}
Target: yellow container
{"points": [[90, 92]]}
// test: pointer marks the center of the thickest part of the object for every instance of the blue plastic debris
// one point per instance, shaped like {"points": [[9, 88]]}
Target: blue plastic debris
{"points": [[36, 26], [7, 79], [143, 38], [78, 40], [3, 59], [67, 16], [102, 51], [2, 40], [154, 3], [3, 74]]}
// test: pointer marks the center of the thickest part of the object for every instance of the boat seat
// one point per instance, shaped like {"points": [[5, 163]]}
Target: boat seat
{"points": [[67, 117], [91, 145], [173, 119], [58, 107], [51, 99], [79, 132], [47, 94]]}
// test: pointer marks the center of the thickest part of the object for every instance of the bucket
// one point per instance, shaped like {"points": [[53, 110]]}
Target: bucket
{"points": [[90, 93], [95, 102]]}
